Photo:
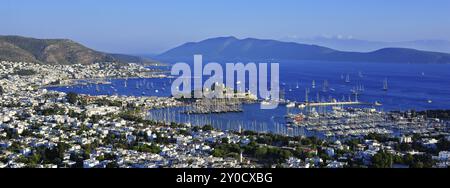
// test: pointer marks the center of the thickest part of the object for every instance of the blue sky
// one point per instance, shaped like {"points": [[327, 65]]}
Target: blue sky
{"points": [[143, 26]]}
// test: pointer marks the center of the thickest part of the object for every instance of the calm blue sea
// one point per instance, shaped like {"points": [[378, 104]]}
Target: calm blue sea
{"points": [[410, 86]]}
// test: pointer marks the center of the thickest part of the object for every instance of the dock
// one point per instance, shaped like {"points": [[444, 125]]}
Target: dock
{"points": [[347, 103]]}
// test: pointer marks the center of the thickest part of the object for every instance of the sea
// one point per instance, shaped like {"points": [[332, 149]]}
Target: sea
{"points": [[397, 86]]}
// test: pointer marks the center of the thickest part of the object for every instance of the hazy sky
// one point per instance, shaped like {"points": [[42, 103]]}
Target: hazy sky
{"points": [[143, 26]]}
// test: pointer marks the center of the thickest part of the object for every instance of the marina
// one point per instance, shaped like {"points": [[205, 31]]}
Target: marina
{"points": [[335, 90]]}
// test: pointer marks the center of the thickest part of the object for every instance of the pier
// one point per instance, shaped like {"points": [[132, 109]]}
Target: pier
{"points": [[315, 104]]}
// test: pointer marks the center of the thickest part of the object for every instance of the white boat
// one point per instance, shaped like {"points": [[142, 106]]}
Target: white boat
{"points": [[301, 106], [378, 103], [385, 85], [266, 103], [313, 84], [290, 105], [325, 86], [360, 74]]}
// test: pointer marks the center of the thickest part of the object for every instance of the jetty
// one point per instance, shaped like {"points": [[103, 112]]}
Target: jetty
{"points": [[346, 103]]}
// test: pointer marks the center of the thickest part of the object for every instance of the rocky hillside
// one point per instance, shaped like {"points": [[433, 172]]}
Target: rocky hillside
{"points": [[56, 51]]}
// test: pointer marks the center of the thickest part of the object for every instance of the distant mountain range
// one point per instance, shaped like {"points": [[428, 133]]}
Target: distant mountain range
{"points": [[358, 45], [64, 51], [231, 48], [57, 51]]}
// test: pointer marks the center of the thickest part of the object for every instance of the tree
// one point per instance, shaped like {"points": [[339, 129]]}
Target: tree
{"points": [[408, 159], [72, 97], [261, 152], [225, 140], [382, 160], [443, 145], [208, 128], [404, 147]]}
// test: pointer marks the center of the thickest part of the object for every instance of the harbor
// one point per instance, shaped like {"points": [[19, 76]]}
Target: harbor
{"points": [[314, 92]]}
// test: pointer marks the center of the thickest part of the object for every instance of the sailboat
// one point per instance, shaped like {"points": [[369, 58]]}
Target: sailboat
{"points": [[325, 86], [385, 85], [360, 74], [296, 87], [347, 79], [313, 84]]}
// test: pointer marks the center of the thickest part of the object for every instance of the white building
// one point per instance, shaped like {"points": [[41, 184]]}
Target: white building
{"points": [[444, 155], [406, 139]]}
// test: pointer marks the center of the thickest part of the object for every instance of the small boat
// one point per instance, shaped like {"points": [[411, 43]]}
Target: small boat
{"points": [[360, 74], [325, 86], [313, 84], [378, 103], [385, 85], [290, 105], [266, 103], [430, 101], [301, 106]]}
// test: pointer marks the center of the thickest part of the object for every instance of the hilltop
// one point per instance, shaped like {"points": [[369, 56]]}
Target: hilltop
{"points": [[231, 48], [57, 51]]}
